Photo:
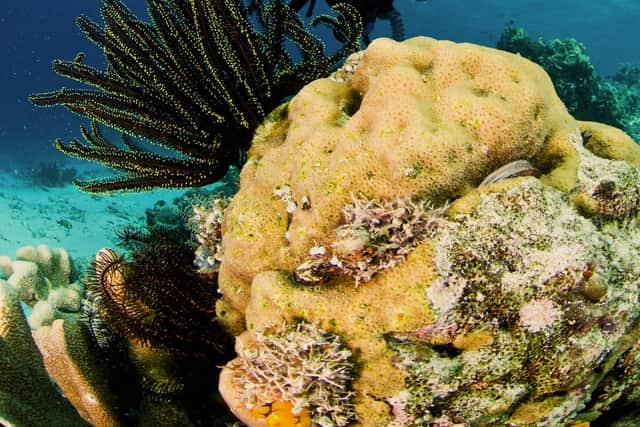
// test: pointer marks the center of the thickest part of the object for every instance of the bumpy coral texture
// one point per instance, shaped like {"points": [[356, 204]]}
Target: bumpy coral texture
{"points": [[298, 366], [46, 280], [460, 330], [420, 118]]}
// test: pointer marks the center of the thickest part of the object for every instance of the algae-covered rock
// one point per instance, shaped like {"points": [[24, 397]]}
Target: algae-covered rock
{"points": [[361, 213]]}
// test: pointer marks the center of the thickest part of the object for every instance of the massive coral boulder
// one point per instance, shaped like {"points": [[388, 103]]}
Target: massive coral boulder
{"points": [[510, 305], [421, 118]]}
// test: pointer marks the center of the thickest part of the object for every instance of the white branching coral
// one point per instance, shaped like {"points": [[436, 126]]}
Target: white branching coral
{"points": [[300, 364], [375, 236], [207, 222]]}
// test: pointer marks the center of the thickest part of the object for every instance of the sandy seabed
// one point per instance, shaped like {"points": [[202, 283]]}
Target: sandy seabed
{"points": [[66, 217]]}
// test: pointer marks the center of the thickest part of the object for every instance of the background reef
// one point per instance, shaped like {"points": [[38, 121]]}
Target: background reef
{"points": [[587, 94]]}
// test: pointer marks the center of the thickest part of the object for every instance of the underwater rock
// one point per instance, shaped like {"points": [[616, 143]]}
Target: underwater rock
{"points": [[420, 118], [519, 302]]}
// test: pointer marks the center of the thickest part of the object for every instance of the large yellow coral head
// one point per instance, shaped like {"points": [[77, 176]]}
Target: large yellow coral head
{"points": [[339, 223], [422, 118]]}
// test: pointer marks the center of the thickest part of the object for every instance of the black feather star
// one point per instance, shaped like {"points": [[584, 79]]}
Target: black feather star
{"points": [[197, 80], [155, 296]]}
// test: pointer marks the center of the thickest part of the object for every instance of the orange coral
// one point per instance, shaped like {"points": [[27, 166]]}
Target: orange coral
{"points": [[281, 414]]}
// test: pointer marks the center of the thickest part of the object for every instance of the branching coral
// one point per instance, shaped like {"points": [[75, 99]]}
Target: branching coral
{"points": [[197, 80], [375, 236]]}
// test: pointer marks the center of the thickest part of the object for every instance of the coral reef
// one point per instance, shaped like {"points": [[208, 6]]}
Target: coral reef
{"points": [[49, 174], [587, 95], [534, 302], [46, 280], [27, 395], [626, 82], [425, 237], [197, 80], [143, 351], [516, 307], [178, 212]]}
